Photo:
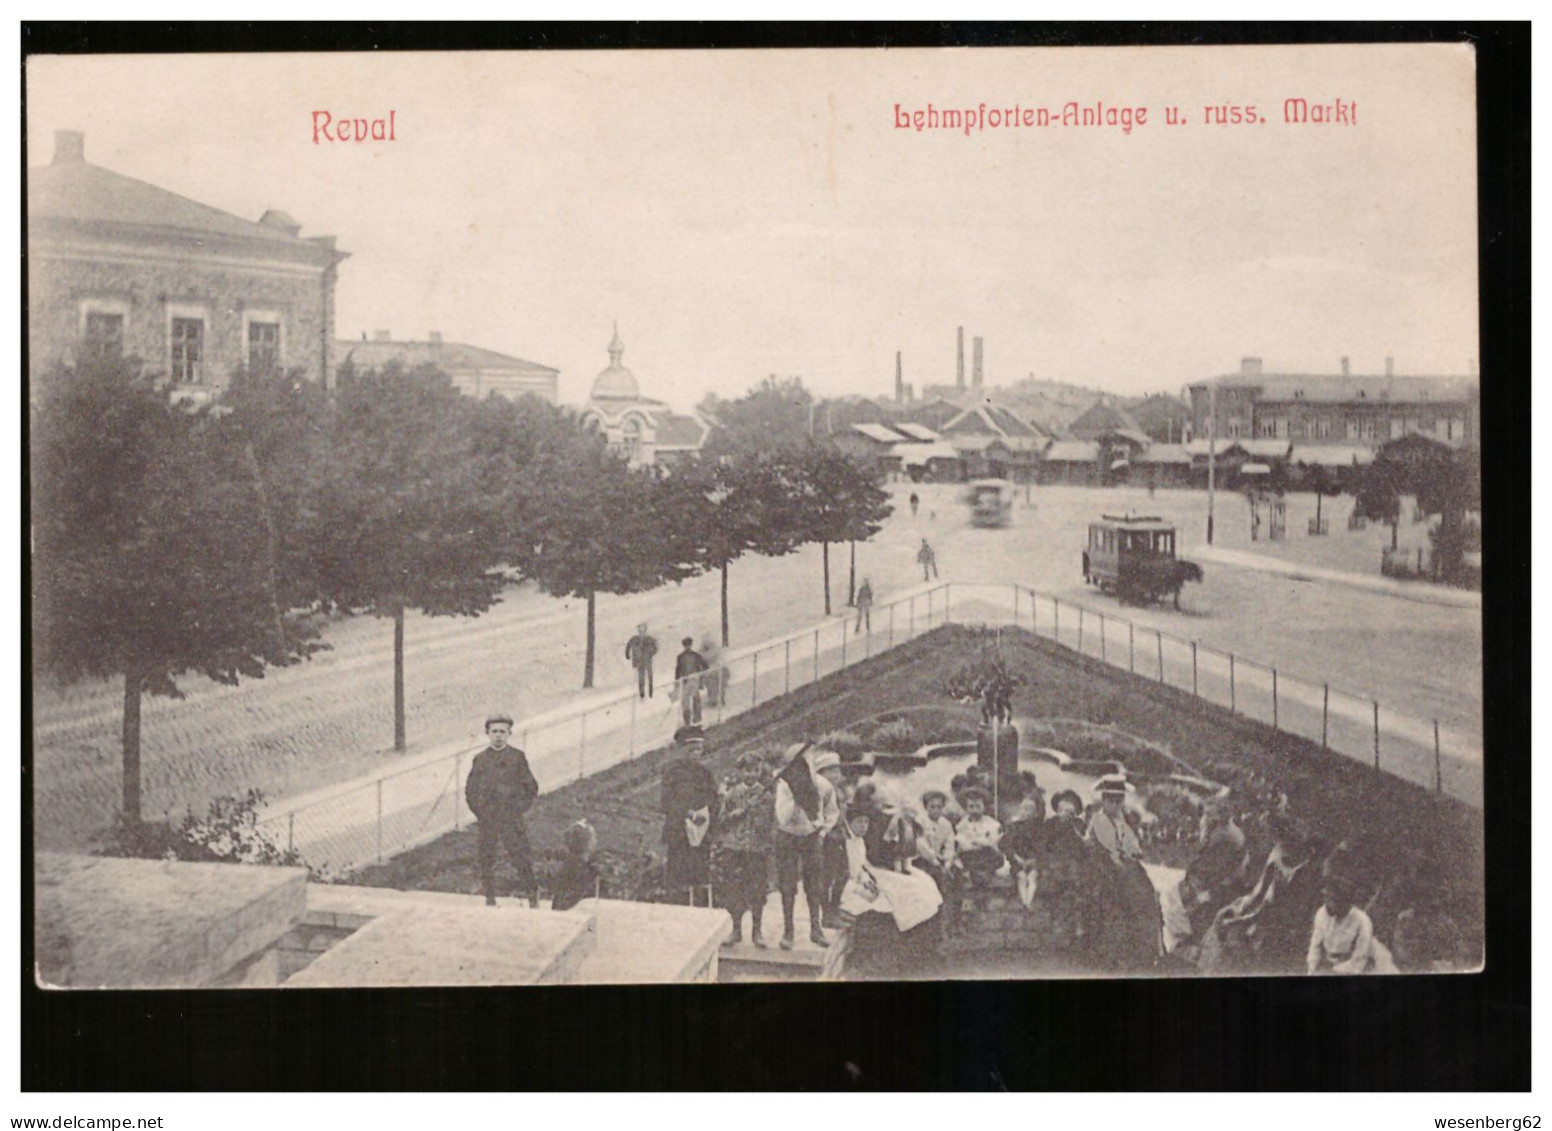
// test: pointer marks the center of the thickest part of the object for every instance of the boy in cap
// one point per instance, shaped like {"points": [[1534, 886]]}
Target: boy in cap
{"points": [[1109, 827], [807, 808], [689, 803], [500, 789]]}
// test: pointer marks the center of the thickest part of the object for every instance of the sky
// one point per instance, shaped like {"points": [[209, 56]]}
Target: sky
{"points": [[742, 214]]}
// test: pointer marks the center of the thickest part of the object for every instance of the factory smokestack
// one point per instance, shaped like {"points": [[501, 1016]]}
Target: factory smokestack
{"points": [[899, 380], [976, 376], [959, 372]]}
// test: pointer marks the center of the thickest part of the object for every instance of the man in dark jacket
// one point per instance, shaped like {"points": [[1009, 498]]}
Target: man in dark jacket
{"points": [[640, 650], [500, 789], [689, 805], [688, 667]]}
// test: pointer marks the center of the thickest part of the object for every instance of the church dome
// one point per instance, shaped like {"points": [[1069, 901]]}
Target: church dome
{"points": [[616, 382]]}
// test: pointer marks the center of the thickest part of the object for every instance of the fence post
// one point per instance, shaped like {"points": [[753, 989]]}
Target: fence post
{"points": [[1131, 647], [1194, 694], [1233, 702], [1056, 620], [786, 666], [1080, 630], [1158, 638], [910, 623], [816, 655], [1274, 698], [1376, 734], [1325, 713], [1015, 604], [843, 645], [1102, 639], [754, 682], [379, 820], [582, 747], [929, 609], [891, 624], [457, 773], [1438, 761], [291, 816], [948, 598]]}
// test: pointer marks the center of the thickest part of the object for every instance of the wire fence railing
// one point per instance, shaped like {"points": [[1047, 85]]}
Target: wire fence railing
{"points": [[366, 822], [361, 823]]}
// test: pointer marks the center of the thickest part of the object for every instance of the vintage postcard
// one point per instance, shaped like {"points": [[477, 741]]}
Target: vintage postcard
{"points": [[531, 517]]}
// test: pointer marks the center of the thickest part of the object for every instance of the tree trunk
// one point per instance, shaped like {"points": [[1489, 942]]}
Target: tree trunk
{"points": [[1395, 531], [134, 685], [851, 584], [398, 679], [724, 605], [826, 546], [587, 664], [1318, 497]]}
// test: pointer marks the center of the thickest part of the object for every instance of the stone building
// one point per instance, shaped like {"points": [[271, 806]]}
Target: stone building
{"points": [[120, 268], [476, 371], [1344, 409], [646, 431]]}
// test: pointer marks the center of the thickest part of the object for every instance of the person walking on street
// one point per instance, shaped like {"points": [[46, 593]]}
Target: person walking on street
{"points": [[806, 810], [687, 678], [640, 651], [500, 789], [915, 503], [864, 607], [927, 560], [689, 804]]}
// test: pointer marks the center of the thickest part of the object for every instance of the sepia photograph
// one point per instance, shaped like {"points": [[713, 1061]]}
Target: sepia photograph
{"points": [[567, 518]]}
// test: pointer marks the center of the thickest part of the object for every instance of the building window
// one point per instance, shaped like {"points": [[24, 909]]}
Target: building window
{"points": [[103, 338], [188, 350], [1270, 428], [1323, 427], [1360, 427], [1449, 428], [263, 347]]}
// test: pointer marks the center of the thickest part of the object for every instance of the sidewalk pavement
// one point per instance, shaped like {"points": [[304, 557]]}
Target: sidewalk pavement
{"points": [[1421, 591]]}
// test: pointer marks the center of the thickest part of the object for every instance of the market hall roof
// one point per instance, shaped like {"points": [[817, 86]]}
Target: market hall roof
{"points": [[376, 353]]}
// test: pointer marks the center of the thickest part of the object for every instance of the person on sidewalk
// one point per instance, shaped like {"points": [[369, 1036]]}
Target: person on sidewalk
{"points": [[864, 607], [639, 651], [928, 560], [915, 503], [806, 810], [687, 679], [689, 804], [501, 788]]}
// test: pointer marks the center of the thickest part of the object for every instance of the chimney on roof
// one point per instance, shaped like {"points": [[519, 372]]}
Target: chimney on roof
{"points": [[959, 372], [275, 218], [435, 337], [1250, 367], [975, 373], [69, 147], [1390, 366], [380, 335], [899, 380], [1344, 367]]}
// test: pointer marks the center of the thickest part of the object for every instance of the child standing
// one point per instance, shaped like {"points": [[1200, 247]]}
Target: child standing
{"points": [[740, 856], [1343, 940]]}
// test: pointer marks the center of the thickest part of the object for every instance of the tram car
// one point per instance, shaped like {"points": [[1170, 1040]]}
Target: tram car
{"points": [[990, 502], [1133, 556]]}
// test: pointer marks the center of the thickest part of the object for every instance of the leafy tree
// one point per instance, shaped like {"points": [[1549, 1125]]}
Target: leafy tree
{"points": [[1379, 495], [593, 525], [777, 414], [403, 515], [155, 547], [1322, 483], [730, 507], [835, 501]]}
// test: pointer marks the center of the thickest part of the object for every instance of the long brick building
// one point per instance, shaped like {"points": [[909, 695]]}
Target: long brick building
{"points": [[117, 267], [1313, 409]]}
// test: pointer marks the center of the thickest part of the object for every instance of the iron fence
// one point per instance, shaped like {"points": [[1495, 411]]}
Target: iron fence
{"points": [[365, 822]]}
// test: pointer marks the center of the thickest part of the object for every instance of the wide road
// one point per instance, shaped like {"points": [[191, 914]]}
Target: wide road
{"points": [[329, 719]]}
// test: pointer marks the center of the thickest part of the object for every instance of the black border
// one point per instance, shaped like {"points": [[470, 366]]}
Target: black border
{"points": [[1429, 1034]]}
